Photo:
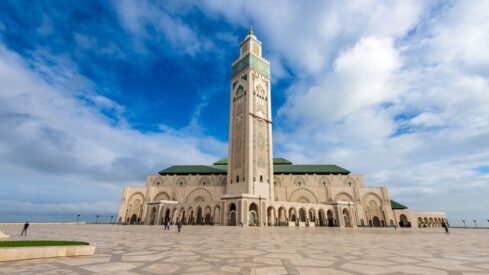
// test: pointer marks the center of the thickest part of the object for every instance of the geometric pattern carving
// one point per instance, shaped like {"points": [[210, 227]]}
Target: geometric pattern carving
{"points": [[303, 195], [199, 194]]}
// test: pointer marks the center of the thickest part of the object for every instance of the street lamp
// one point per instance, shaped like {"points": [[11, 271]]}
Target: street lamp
{"points": [[77, 218], [96, 220], [464, 223], [475, 223]]}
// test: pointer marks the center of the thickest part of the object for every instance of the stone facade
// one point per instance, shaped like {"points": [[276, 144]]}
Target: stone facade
{"points": [[252, 188]]}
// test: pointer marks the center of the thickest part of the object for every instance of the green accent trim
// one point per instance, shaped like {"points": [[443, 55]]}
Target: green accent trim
{"points": [[245, 77], [281, 161], [195, 169], [250, 61], [396, 205], [280, 166], [39, 243], [309, 169], [276, 161]]}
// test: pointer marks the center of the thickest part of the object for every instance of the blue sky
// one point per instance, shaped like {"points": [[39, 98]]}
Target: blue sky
{"points": [[95, 95]]}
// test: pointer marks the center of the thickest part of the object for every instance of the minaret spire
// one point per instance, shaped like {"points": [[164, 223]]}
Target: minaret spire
{"points": [[250, 30]]}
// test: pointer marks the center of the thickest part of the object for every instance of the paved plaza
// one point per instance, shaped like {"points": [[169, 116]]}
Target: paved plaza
{"points": [[273, 250]]}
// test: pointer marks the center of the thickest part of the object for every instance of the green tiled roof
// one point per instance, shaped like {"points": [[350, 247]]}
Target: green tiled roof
{"points": [[396, 205], [276, 161], [194, 169], [281, 166], [281, 161], [309, 169]]}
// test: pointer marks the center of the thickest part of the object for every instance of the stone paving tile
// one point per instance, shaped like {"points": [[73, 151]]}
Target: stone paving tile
{"points": [[275, 250]]}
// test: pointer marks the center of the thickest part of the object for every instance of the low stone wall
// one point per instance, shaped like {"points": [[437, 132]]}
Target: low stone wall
{"points": [[38, 252]]}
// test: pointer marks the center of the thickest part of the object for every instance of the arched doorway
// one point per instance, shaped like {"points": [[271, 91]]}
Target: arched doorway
{"points": [[232, 214], [167, 215], [200, 219], [152, 217], [217, 215], [190, 219], [282, 216], [292, 215], [253, 217], [346, 218], [330, 218], [207, 217], [376, 221], [271, 216], [302, 215], [404, 222], [133, 219], [322, 218], [312, 216], [182, 215]]}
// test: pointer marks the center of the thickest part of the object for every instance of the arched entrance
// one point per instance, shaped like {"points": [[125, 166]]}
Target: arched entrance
{"points": [[302, 215], [167, 215], [253, 218], [199, 215], [312, 216], [232, 214], [404, 222], [376, 221], [271, 216], [133, 219], [152, 217], [292, 215], [190, 219], [346, 217], [217, 215], [322, 218], [207, 217], [330, 218], [182, 216], [282, 216]]}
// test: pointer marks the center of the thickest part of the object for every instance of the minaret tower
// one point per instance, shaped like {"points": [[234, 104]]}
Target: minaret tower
{"points": [[250, 163]]}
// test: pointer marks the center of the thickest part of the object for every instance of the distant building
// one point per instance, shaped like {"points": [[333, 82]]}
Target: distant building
{"points": [[252, 188]]}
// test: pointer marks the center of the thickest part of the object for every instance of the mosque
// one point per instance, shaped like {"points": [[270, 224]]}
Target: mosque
{"points": [[252, 188]]}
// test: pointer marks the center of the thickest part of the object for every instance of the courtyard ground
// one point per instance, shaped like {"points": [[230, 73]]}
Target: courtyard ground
{"points": [[274, 250]]}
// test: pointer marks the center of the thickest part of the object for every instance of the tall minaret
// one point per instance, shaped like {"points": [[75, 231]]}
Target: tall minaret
{"points": [[250, 164]]}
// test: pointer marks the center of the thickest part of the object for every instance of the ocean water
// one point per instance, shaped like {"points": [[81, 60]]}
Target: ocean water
{"points": [[23, 217]]}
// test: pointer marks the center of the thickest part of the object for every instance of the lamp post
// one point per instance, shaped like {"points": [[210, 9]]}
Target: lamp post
{"points": [[475, 223], [78, 217], [464, 223], [96, 220]]}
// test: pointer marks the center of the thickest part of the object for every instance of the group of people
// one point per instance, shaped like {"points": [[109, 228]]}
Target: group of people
{"points": [[167, 224]]}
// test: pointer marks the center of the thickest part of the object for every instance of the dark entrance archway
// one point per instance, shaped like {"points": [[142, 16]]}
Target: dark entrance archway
{"points": [[376, 221], [133, 219], [330, 218], [253, 217], [232, 214]]}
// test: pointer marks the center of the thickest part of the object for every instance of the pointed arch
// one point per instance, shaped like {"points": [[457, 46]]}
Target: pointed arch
{"points": [[199, 195], [303, 195]]}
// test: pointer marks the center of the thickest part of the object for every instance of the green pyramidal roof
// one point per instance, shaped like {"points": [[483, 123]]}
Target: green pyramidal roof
{"points": [[396, 205], [280, 166]]}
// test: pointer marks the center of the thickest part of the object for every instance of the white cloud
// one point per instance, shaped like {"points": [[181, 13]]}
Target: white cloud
{"points": [[56, 129]]}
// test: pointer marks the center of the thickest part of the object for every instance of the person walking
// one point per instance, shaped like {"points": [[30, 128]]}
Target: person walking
{"points": [[179, 225], [168, 224], [24, 230]]}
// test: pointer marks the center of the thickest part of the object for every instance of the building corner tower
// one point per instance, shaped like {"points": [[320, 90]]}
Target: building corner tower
{"points": [[250, 162]]}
